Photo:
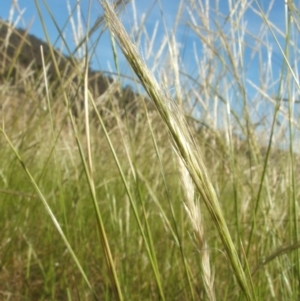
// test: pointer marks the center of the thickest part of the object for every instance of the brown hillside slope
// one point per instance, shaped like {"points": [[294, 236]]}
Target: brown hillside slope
{"points": [[21, 65]]}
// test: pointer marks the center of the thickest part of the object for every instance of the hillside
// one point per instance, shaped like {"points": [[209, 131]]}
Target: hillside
{"points": [[20, 55]]}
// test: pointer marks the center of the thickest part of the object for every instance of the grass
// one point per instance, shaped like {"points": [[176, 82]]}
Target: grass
{"points": [[192, 198]]}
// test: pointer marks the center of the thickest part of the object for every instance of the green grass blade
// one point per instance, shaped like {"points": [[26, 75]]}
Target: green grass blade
{"points": [[182, 142], [49, 211]]}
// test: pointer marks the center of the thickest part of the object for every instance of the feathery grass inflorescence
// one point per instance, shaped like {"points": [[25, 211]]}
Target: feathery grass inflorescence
{"points": [[124, 202], [192, 207], [183, 143]]}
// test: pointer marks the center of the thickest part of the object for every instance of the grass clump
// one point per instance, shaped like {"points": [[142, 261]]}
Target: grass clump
{"points": [[185, 195]]}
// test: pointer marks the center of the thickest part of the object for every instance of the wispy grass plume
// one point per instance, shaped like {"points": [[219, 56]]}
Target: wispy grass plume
{"points": [[183, 143], [192, 206]]}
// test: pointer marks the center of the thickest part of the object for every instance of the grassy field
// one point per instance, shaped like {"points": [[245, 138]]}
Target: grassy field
{"points": [[182, 190]]}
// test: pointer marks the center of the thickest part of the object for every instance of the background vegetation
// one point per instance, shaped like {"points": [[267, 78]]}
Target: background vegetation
{"points": [[182, 190]]}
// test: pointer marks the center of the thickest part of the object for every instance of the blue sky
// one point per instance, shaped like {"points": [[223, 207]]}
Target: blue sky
{"points": [[184, 35], [170, 7]]}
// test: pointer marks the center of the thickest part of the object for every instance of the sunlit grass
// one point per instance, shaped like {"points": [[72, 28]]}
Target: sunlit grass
{"points": [[186, 193]]}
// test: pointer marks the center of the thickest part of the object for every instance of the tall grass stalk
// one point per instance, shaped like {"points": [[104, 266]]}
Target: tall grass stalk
{"points": [[175, 233], [88, 167], [291, 76], [49, 211], [194, 213], [147, 241], [124, 206], [182, 142], [89, 173]]}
